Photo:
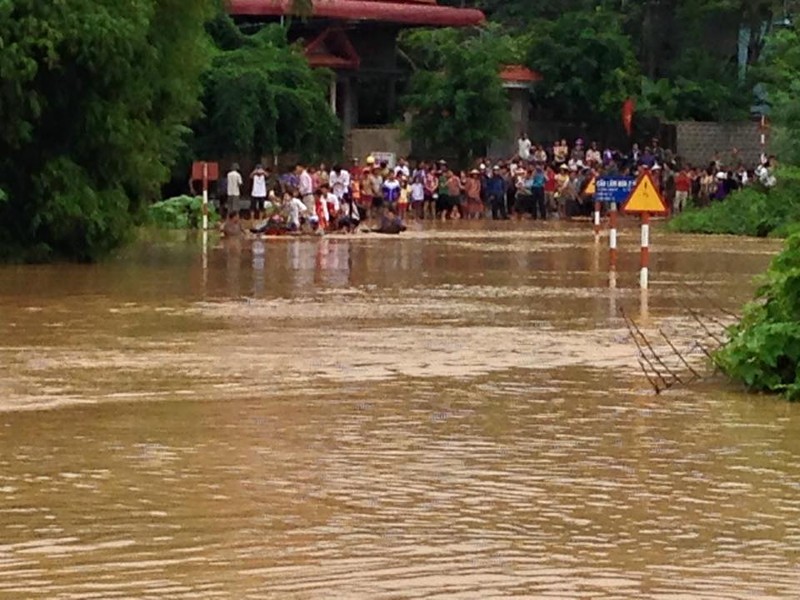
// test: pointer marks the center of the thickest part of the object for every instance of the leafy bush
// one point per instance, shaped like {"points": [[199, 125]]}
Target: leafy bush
{"points": [[764, 348], [181, 212], [753, 211]]}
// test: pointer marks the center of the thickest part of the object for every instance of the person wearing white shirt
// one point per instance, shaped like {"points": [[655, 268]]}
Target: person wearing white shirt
{"points": [[524, 147], [234, 189], [593, 156], [402, 170], [258, 192], [330, 201], [305, 187], [294, 209], [339, 180]]}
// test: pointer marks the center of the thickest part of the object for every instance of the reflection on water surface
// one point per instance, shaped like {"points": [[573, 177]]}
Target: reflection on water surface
{"points": [[448, 414]]}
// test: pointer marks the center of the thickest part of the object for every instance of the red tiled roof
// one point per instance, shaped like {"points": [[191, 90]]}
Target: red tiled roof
{"points": [[519, 74], [332, 49], [391, 11]]}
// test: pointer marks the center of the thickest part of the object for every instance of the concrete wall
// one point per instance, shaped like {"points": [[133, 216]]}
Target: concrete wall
{"points": [[519, 106], [362, 141], [697, 141]]}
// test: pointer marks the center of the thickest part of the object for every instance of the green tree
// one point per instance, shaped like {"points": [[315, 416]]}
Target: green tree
{"points": [[455, 96], [764, 347], [517, 15], [587, 63], [687, 49], [781, 74], [94, 100], [262, 97]]}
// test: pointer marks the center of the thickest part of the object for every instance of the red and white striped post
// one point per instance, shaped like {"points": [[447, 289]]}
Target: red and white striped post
{"points": [[612, 236], [205, 196], [205, 224], [596, 220], [645, 256]]}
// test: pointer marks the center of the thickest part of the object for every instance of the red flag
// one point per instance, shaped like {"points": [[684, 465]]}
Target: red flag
{"points": [[627, 115]]}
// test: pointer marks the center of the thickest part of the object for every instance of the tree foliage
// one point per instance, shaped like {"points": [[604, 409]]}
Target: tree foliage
{"points": [[456, 96], [764, 348], [587, 63], [781, 73], [94, 99], [775, 211], [262, 97], [685, 51]]}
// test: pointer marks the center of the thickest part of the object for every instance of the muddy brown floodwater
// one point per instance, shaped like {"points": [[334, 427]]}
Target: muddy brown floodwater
{"points": [[452, 413]]}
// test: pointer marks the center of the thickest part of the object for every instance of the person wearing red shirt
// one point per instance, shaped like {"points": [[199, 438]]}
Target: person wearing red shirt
{"points": [[550, 187], [683, 185]]}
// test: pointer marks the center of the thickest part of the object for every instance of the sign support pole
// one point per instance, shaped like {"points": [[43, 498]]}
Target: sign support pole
{"points": [[645, 257], [205, 223], [205, 196], [596, 220], [612, 236]]}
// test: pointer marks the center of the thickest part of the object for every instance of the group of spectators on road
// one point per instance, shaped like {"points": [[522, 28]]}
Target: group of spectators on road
{"points": [[538, 182]]}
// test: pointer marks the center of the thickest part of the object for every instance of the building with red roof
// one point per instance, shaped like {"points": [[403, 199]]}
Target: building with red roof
{"points": [[426, 13], [357, 39]]}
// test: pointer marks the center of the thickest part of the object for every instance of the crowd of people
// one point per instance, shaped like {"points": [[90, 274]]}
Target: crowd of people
{"points": [[538, 182]]}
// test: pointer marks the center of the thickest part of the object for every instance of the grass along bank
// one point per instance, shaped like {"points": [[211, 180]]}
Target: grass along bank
{"points": [[753, 211]]}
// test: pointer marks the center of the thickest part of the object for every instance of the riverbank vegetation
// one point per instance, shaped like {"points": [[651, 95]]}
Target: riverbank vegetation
{"points": [[764, 347], [755, 211], [181, 212]]}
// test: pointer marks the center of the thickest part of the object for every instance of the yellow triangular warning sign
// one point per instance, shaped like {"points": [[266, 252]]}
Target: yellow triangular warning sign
{"points": [[591, 188], [645, 198]]}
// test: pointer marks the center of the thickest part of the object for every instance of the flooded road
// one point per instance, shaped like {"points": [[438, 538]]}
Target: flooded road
{"points": [[454, 413]]}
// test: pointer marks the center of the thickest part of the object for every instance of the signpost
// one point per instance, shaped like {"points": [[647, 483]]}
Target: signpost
{"points": [[589, 191], [645, 199], [613, 190], [612, 237], [205, 172]]}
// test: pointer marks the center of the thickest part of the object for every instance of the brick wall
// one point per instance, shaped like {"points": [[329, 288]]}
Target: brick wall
{"points": [[697, 142]]}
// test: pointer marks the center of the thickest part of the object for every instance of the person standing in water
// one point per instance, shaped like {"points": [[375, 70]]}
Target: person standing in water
{"points": [[258, 191], [234, 189]]}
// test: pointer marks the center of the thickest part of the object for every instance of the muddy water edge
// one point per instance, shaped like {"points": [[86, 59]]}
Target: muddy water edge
{"points": [[453, 413]]}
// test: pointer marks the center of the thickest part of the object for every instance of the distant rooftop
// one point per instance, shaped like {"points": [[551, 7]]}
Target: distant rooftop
{"points": [[407, 12]]}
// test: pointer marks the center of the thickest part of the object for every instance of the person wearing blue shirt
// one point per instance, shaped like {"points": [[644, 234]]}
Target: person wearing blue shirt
{"points": [[538, 204], [496, 194], [391, 190]]}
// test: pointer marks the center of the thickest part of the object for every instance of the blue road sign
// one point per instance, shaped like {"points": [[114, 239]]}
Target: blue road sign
{"points": [[614, 189]]}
